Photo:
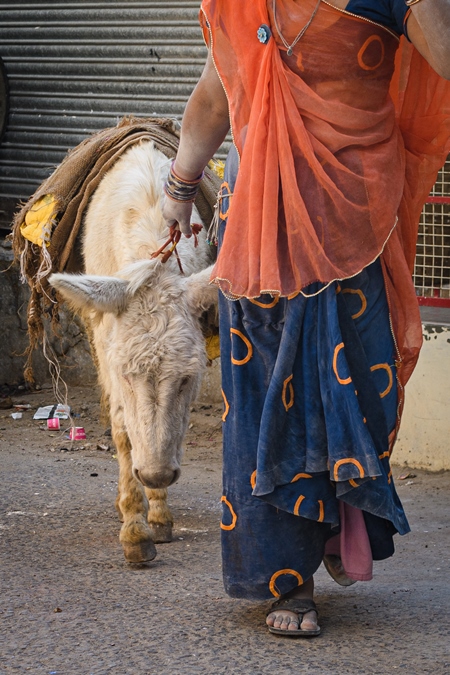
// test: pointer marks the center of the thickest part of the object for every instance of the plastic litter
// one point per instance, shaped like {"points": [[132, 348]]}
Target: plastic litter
{"points": [[77, 434], [58, 410]]}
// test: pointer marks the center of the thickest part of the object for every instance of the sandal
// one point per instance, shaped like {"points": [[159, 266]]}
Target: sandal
{"points": [[334, 567], [299, 607]]}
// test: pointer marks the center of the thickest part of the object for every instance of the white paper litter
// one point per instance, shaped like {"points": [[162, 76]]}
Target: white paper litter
{"points": [[48, 411]]}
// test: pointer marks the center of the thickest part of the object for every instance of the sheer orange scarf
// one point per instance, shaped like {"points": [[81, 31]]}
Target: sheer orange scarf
{"points": [[323, 161]]}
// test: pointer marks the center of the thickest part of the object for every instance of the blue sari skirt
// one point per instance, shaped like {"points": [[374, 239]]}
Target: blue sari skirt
{"points": [[310, 397]]}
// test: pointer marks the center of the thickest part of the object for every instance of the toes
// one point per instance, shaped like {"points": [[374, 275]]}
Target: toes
{"points": [[309, 621], [284, 620]]}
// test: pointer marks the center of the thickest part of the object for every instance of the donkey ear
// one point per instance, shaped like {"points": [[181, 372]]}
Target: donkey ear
{"points": [[200, 292], [89, 292]]}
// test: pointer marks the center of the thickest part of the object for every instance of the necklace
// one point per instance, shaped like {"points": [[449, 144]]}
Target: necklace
{"points": [[290, 47]]}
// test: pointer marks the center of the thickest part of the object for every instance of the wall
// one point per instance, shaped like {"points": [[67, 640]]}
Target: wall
{"points": [[424, 438]]}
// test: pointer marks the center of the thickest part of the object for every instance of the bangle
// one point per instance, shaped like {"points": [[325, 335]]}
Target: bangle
{"points": [[408, 3], [181, 190]]}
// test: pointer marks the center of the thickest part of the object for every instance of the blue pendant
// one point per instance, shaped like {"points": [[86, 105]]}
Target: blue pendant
{"points": [[264, 34]]}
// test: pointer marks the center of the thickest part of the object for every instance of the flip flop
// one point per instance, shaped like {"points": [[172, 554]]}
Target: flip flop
{"points": [[299, 607], [334, 567]]}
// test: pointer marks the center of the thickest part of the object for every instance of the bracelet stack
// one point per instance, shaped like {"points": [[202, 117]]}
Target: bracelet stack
{"points": [[181, 190]]}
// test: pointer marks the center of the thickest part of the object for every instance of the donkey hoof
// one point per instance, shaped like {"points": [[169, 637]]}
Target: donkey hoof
{"points": [[161, 534], [142, 552]]}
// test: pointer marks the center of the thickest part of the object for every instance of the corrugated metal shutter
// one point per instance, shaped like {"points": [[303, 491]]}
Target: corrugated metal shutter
{"points": [[80, 66]]}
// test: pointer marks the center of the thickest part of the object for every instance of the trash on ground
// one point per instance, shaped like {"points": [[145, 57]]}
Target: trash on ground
{"points": [[22, 406], [53, 423], [102, 446], [48, 411], [77, 434], [404, 476], [17, 415]]}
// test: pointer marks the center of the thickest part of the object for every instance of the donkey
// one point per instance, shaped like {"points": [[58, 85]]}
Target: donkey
{"points": [[143, 318]]}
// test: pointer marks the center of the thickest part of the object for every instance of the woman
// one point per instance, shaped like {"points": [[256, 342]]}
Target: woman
{"points": [[319, 324]]}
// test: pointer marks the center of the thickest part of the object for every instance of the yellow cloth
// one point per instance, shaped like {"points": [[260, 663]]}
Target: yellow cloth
{"points": [[212, 347], [39, 221]]}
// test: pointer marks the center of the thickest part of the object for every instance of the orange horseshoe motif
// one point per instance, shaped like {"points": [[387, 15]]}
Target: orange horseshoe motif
{"points": [[336, 352], [347, 461], [272, 583], [300, 475], [385, 366], [233, 516], [287, 385], [248, 344], [222, 196], [227, 406], [357, 291], [298, 503], [274, 302]]}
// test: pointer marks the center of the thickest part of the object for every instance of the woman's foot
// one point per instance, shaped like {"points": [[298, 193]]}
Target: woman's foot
{"points": [[333, 565], [283, 619]]}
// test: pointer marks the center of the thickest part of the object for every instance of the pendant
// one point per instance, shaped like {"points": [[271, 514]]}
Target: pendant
{"points": [[290, 51], [264, 34]]}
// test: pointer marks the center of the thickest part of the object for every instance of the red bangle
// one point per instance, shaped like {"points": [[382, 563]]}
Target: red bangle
{"points": [[183, 180]]}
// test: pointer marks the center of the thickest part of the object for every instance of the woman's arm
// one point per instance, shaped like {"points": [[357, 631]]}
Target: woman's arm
{"points": [[429, 31], [204, 127]]}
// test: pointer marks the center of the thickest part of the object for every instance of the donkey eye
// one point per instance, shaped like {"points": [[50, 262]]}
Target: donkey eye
{"points": [[184, 382]]}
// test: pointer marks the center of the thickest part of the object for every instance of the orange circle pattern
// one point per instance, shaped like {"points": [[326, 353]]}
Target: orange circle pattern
{"points": [[247, 343], [227, 406], [336, 353], [386, 367], [347, 461], [357, 291], [287, 386], [300, 475], [274, 302], [222, 196], [233, 516], [364, 48], [272, 583]]}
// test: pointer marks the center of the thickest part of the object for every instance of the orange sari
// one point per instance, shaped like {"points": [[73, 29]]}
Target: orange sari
{"points": [[332, 173]]}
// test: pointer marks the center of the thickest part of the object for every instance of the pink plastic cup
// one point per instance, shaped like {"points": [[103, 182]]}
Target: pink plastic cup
{"points": [[77, 434], [53, 423]]}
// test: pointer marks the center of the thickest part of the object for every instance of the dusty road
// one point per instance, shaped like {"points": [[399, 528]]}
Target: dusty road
{"points": [[70, 605]]}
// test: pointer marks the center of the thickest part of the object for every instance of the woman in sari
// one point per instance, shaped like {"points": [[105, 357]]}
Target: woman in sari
{"points": [[337, 138]]}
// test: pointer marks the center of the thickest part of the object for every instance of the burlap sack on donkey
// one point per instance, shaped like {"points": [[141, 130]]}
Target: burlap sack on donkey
{"points": [[46, 229]]}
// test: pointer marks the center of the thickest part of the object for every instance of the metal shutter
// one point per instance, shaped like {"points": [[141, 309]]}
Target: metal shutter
{"points": [[77, 67]]}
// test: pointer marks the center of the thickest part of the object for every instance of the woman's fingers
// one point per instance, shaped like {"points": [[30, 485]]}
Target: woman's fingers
{"points": [[178, 214]]}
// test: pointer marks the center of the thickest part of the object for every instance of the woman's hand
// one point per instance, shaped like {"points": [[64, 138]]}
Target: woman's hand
{"points": [[178, 214]]}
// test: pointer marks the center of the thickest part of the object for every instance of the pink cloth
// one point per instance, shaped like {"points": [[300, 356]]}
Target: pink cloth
{"points": [[352, 544]]}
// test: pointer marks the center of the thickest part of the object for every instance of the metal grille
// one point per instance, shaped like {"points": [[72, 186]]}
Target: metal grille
{"points": [[432, 266], [79, 66]]}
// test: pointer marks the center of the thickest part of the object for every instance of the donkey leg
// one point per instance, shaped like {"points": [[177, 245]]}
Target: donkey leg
{"points": [[159, 516], [132, 504]]}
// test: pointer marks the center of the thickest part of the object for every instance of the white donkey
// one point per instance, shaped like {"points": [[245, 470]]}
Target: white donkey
{"points": [[144, 321]]}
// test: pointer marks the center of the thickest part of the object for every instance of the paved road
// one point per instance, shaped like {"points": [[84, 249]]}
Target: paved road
{"points": [[70, 605]]}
